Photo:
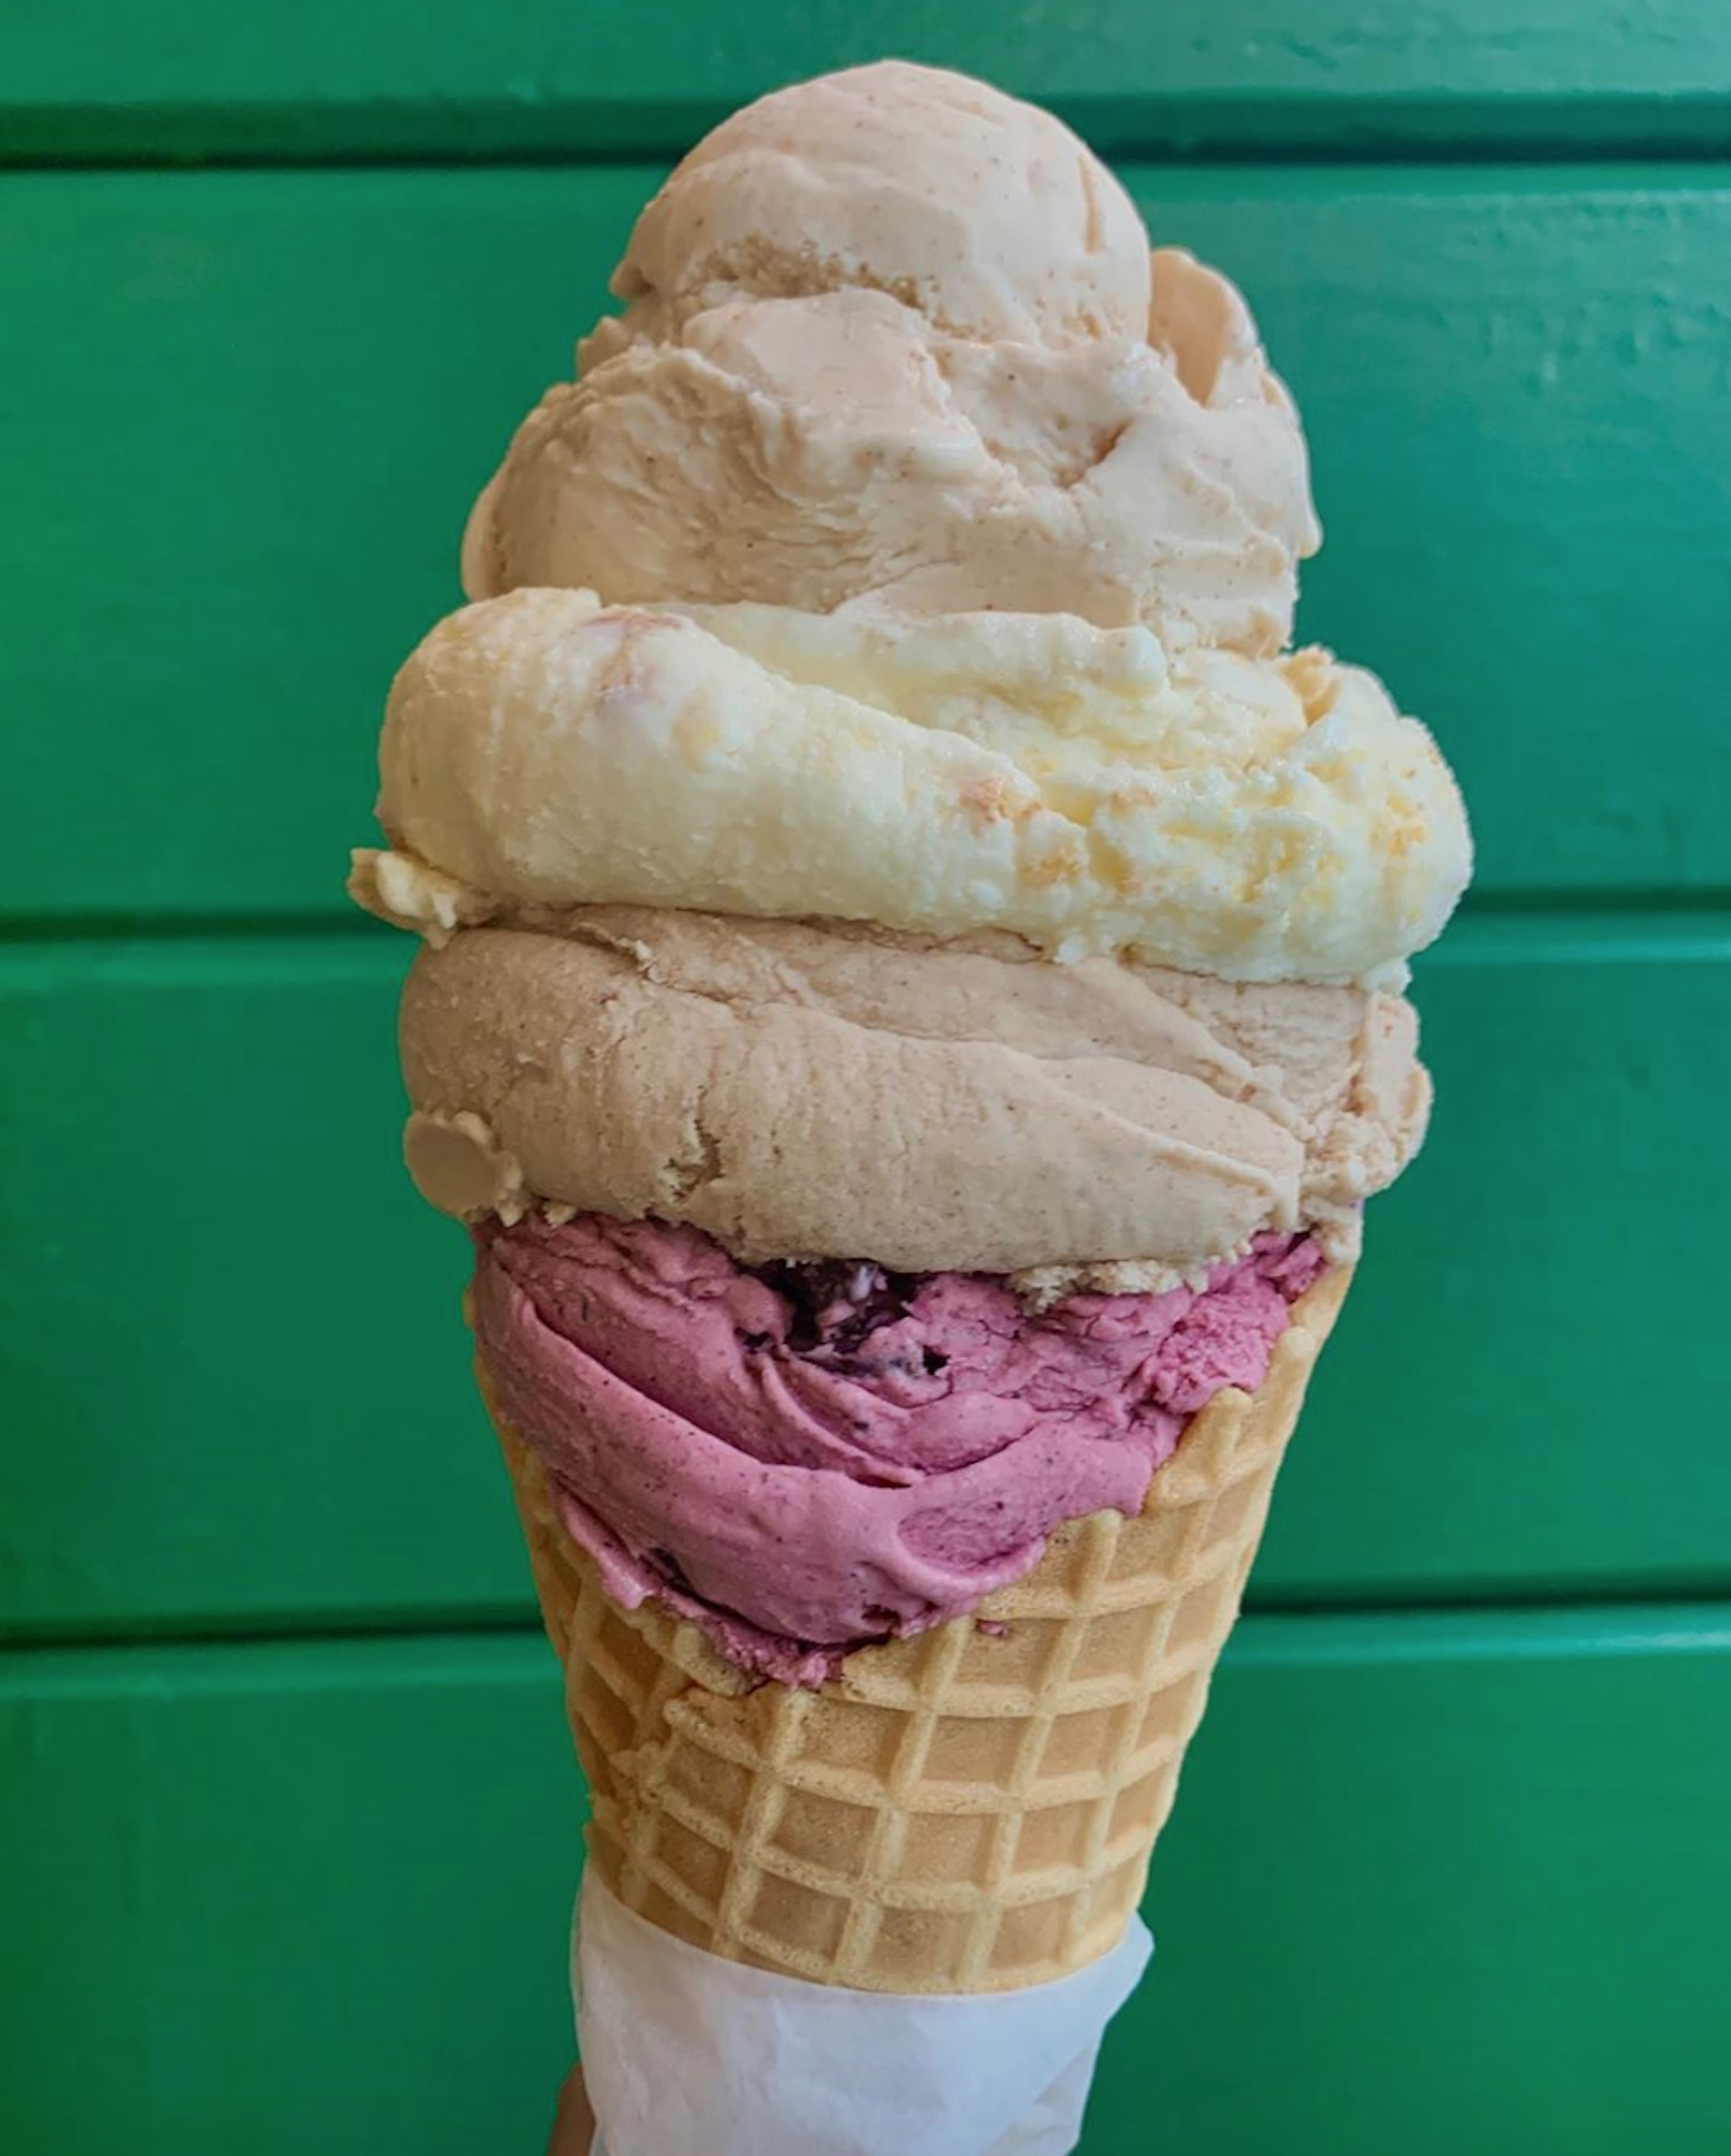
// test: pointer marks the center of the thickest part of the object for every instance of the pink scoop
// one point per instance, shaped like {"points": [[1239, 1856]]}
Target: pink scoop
{"points": [[803, 1459]]}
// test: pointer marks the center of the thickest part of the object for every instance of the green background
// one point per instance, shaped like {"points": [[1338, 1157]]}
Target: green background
{"points": [[289, 1823]]}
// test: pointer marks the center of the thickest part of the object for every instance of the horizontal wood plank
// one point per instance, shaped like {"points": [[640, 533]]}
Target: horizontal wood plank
{"points": [[285, 1900], [1433, 1883], [455, 78], [1521, 1400], [1418, 1872], [242, 1381], [237, 1365], [249, 410]]}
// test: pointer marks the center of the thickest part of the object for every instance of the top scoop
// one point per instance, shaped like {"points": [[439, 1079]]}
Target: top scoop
{"points": [[895, 340], [986, 215]]}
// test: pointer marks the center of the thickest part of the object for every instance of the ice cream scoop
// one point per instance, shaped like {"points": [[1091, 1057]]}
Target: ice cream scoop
{"points": [[802, 1461], [984, 214], [895, 342], [798, 1089], [1256, 820]]}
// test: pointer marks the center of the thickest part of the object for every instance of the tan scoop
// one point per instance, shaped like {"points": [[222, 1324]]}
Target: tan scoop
{"points": [[972, 1809]]}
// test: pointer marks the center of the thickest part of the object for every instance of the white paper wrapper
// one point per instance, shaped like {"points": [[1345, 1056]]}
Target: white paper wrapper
{"points": [[687, 2055]]}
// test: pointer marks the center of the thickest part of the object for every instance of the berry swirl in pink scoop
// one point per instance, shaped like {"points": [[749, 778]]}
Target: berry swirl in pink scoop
{"points": [[805, 1458]]}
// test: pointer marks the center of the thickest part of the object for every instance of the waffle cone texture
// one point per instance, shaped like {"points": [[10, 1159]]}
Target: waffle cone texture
{"points": [[971, 1809]]}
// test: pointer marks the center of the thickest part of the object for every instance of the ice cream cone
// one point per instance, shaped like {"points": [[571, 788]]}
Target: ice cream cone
{"points": [[911, 1013], [970, 1809]]}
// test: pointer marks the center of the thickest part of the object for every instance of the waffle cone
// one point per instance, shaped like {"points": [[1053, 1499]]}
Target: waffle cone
{"points": [[970, 1809]]}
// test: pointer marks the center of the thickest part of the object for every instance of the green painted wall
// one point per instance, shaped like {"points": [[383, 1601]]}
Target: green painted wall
{"points": [[289, 1822]]}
